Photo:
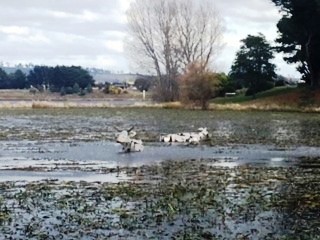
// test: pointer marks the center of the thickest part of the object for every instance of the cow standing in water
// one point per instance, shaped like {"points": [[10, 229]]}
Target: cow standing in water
{"points": [[125, 138]]}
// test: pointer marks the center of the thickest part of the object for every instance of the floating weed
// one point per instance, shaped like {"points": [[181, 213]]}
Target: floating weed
{"points": [[5, 212], [283, 129], [193, 200]]}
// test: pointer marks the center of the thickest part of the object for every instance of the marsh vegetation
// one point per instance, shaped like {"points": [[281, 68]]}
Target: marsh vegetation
{"points": [[62, 175]]}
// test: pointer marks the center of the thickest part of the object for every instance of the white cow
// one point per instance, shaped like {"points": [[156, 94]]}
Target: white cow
{"points": [[186, 137], [132, 146], [203, 133], [125, 138]]}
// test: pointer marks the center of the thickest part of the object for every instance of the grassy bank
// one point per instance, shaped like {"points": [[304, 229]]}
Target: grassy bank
{"points": [[25, 95], [277, 99]]}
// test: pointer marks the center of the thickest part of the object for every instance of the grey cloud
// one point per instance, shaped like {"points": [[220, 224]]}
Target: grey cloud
{"points": [[45, 19], [67, 30], [71, 6], [59, 44], [259, 11], [248, 14]]}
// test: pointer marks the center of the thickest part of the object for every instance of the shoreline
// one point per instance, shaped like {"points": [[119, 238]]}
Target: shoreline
{"points": [[133, 103]]}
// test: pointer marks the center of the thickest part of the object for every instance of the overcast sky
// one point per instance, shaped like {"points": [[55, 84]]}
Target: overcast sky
{"points": [[90, 33]]}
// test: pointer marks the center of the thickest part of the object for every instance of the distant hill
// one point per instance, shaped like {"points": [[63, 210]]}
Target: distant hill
{"points": [[112, 78]]}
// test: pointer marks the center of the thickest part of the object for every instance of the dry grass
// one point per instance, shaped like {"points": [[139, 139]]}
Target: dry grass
{"points": [[17, 104], [300, 100], [69, 104], [286, 102], [24, 95], [172, 105], [253, 107], [51, 104]]}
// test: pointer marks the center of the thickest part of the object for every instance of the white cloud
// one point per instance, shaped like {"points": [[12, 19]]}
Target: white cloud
{"points": [[30, 39], [81, 17], [14, 30], [114, 45]]}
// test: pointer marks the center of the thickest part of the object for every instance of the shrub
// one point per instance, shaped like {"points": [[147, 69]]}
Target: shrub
{"points": [[226, 84], [106, 89], [82, 92], [198, 86], [143, 83], [69, 90], [115, 90]]}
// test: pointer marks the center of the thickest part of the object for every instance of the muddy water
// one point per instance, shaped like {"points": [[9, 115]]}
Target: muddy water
{"points": [[64, 176]]}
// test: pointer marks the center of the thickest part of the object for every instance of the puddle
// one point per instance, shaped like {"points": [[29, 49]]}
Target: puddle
{"points": [[277, 159], [226, 164]]}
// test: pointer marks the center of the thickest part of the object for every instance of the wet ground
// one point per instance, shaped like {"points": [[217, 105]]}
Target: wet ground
{"points": [[63, 176]]}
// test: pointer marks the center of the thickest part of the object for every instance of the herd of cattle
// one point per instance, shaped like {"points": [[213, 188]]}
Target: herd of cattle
{"points": [[129, 144]]}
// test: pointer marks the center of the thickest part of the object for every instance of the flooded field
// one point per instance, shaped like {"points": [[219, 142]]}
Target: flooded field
{"points": [[62, 176]]}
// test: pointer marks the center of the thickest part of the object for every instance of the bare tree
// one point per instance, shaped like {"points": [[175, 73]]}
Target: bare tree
{"points": [[200, 31], [169, 35]]}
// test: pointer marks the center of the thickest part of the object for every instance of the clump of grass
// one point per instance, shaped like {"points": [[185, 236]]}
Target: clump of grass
{"points": [[47, 104], [18, 104], [253, 107], [50, 104]]}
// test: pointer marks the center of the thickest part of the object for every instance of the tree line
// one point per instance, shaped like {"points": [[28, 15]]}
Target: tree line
{"points": [[56, 79]]}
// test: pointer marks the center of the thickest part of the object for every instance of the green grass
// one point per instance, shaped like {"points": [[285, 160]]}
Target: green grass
{"points": [[242, 98], [276, 91]]}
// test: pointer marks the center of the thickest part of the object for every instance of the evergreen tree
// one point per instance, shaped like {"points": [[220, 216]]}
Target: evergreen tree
{"points": [[299, 36], [3, 79], [252, 67], [17, 80]]}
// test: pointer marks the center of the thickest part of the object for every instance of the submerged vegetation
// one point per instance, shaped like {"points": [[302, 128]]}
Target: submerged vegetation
{"points": [[226, 127], [184, 200]]}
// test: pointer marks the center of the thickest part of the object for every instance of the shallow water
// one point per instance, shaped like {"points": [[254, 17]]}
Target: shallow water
{"points": [[44, 156]]}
